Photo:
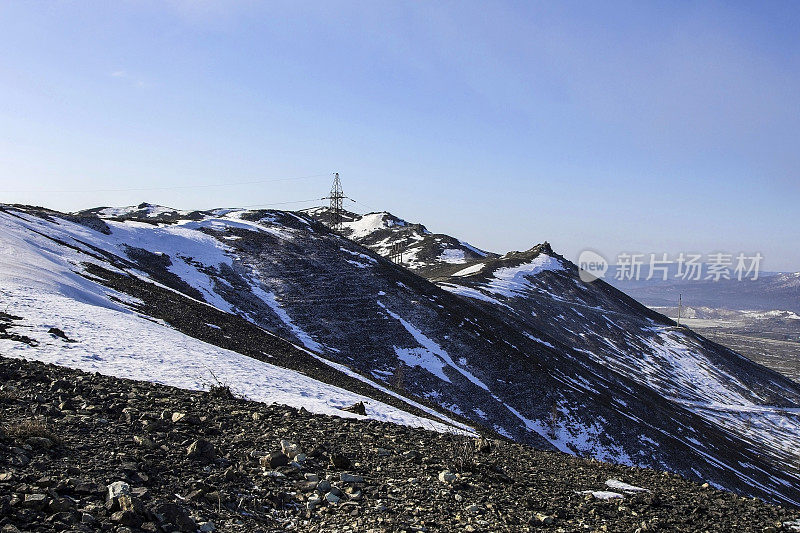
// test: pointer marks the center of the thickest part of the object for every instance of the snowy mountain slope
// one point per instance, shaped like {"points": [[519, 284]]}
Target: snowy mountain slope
{"points": [[422, 250], [227, 277], [43, 280], [542, 293], [750, 402]]}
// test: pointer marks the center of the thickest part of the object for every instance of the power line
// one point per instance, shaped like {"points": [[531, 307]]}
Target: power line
{"points": [[365, 205], [174, 187], [315, 200]]}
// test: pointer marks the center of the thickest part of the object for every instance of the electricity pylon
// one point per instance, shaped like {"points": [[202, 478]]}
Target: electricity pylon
{"points": [[337, 199]]}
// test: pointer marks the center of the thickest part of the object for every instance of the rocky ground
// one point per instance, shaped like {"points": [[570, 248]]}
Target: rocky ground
{"points": [[86, 452]]}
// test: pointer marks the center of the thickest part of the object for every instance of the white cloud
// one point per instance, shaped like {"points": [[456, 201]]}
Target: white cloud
{"points": [[135, 81]]}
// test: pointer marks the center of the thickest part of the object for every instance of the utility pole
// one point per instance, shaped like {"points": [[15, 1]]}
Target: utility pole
{"points": [[337, 199], [680, 304]]}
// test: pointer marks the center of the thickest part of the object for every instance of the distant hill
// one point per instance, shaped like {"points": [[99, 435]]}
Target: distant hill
{"points": [[771, 291]]}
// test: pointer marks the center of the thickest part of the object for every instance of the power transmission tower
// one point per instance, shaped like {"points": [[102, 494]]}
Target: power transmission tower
{"points": [[337, 199], [396, 253]]}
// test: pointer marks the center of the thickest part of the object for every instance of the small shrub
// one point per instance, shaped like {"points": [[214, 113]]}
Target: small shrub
{"points": [[31, 428], [220, 392], [554, 416], [398, 378], [461, 453], [219, 389]]}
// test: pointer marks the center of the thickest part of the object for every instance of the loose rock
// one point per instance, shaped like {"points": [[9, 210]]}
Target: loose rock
{"points": [[201, 451]]}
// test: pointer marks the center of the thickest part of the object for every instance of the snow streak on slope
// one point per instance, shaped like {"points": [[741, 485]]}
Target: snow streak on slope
{"points": [[39, 281], [272, 301], [430, 355], [129, 346]]}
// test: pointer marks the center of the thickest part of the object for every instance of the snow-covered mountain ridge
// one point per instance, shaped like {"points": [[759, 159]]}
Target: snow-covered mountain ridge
{"points": [[423, 251], [517, 344]]}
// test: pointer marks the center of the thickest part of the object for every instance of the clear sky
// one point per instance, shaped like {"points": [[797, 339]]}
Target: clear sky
{"points": [[619, 126]]}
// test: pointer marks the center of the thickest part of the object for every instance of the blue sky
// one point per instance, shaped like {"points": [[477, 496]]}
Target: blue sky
{"points": [[618, 126]]}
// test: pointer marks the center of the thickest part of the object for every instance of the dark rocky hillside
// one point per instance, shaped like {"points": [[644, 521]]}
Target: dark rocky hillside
{"points": [[85, 452], [515, 345]]}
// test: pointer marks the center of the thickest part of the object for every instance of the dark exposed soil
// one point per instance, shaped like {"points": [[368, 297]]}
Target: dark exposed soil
{"points": [[190, 459]]}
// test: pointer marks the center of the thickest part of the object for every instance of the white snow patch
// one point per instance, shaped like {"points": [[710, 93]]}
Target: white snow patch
{"points": [[461, 428], [359, 255], [433, 349], [272, 301], [512, 281], [473, 249], [422, 358], [603, 494], [473, 269], [452, 255], [469, 292], [369, 223], [537, 339], [624, 487]]}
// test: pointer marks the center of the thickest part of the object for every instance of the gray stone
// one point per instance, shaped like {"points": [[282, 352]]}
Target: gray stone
{"points": [[117, 489], [542, 519], [313, 501], [40, 442], [126, 518], [290, 449], [60, 505], [35, 501], [445, 476], [357, 408], [410, 455], [340, 461], [144, 442], [350, 478]]}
